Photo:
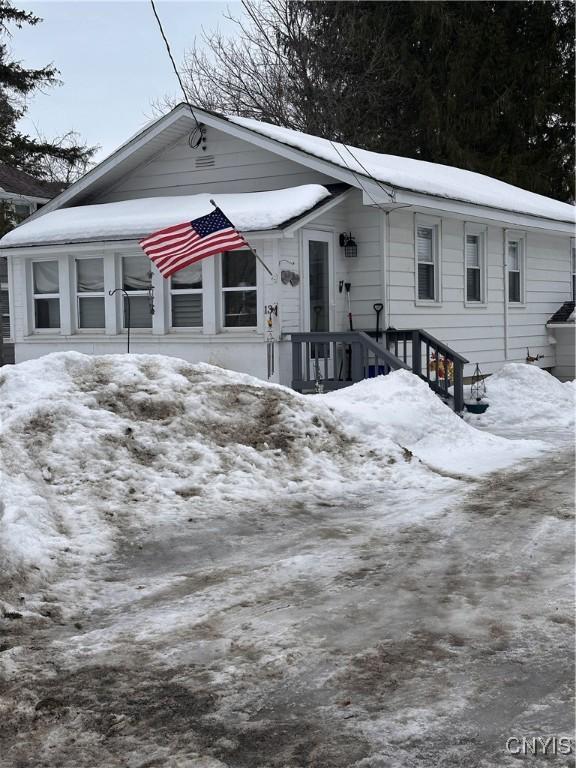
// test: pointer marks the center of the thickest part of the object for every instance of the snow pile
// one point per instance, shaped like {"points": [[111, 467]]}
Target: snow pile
{"points": [[98, 450], [418, 175], [521, 394], [131, 219], [400, 407]]}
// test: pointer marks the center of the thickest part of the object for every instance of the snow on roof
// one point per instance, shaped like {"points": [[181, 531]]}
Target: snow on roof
{"points": [[418, 175], [131, 219]]}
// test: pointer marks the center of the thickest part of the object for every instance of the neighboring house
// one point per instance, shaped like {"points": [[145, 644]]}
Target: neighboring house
{"points": [[478, 264], [20, 196]]}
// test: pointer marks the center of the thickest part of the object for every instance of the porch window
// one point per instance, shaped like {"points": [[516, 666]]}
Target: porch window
{"points": [[90, 293], [426, 256], [514, 271], [46, 294], [186, 297], [239, 294], [136, 280], [473, 268]]}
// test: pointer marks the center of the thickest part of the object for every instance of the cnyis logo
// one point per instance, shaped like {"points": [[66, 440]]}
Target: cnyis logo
{"points": [[540, 745]]}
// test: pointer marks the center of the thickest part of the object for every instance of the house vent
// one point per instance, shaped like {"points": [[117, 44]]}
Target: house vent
{"points": [[206, 161]]}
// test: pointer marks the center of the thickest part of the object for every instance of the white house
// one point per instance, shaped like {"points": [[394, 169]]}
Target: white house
{"points": [[478, 264]]}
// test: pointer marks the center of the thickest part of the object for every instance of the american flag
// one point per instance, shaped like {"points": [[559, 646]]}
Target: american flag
{"points": [[176, 247]]}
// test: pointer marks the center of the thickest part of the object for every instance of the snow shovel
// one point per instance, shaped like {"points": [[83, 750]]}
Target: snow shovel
{"points": [[372, 370]]}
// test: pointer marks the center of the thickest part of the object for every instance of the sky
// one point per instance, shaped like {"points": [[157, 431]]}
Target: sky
{"points": [[111, 59]]}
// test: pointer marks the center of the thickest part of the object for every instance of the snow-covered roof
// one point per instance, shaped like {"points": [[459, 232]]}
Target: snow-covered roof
{"points": [[417, 175], [131, 219]]}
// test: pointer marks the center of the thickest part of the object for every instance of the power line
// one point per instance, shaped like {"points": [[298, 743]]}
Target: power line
{"points": [[357, 177], [174, 67], [370, 176]]}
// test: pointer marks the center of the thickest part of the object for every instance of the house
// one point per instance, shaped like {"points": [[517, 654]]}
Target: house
{"points": [[467, 269], [20, 196]]}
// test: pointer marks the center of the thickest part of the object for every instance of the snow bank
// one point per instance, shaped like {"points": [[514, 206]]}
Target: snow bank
{"points": [[525, 394], [418, 175], [131, 219], [401, 408], [97, 448]]}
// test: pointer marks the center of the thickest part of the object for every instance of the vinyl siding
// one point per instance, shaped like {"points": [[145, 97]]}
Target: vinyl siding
{"points": [[238, 167]]}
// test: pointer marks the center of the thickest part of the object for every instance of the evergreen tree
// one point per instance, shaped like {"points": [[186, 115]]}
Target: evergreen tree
{"points": [[36, 156], [487, 86]]}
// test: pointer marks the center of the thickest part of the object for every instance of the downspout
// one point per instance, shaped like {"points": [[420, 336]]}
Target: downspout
{"points": [[388, 310], [505, 284], [383, 266]]}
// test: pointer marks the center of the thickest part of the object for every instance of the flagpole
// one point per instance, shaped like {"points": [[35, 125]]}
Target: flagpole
{"points": [[266, 267]]}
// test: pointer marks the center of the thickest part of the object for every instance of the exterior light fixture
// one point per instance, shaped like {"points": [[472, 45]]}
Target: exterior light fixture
{"points": [[349, 244]]}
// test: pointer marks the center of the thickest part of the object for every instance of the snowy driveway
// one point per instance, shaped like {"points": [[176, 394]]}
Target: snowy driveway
{"points": [[314, 636]]}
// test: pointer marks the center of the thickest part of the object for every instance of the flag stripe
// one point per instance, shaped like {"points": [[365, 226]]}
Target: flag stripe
{"points": [[172, 245], [198, 253], [174, 248], [224, 238], [173, 238], [167, 231]]}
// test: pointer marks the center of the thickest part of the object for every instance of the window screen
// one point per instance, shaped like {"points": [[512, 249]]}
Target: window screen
{"points": [[45, 275], [473, 271], [46, 289], [136, 279], [514, 262], [90, 275], [425, 256], [90, 290]]}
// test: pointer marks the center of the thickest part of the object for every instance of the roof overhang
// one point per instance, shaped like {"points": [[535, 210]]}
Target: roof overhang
{"points": [[460, 209]]}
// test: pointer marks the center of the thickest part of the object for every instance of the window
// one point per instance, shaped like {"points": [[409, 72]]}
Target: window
{"points": [[426, 256], [319, 285], [514, 271], [239, 296], [5, 311], [90, 293], [21, 212], [136, 280], [46, 294], [186, 297], [573, 255], [474, 255]]}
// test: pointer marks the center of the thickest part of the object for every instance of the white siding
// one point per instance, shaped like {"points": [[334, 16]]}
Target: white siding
{"points": [[238, 167], [479, 332]]}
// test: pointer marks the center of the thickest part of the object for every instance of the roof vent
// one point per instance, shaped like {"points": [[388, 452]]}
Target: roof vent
{"points": [[206, 161]]}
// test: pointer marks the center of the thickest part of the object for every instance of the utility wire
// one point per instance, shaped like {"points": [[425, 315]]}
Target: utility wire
{"points": [[346, 147], [359, 180], [175, 68], [370, 176]]}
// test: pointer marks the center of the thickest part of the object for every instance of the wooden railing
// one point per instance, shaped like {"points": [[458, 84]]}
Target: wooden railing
{"points": [[435, 362], [325, 361]]}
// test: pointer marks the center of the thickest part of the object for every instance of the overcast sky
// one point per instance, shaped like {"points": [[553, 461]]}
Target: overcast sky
{"points": [[112, 61]]}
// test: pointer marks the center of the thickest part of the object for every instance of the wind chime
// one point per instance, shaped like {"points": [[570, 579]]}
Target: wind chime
{"points": [[271, 311]]}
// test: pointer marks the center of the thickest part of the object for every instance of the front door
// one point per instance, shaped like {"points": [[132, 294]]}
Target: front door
{"points": [[318, 303], [318, 280]]}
